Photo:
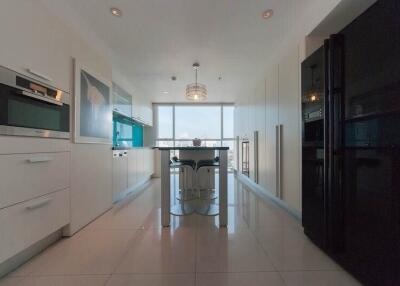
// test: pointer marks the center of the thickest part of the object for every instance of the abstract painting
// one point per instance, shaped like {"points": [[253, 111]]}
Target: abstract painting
{"points": [[93, 107]]}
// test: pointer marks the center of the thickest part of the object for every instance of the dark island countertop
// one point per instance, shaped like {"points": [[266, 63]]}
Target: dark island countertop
{"points": [[192, 148], [121, 148]]}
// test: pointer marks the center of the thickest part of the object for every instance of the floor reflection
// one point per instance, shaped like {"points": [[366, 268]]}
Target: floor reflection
{"points": [[262, 245]]}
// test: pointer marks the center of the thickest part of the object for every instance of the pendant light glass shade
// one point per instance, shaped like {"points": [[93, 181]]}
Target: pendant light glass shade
{"points": [[196, 91]]}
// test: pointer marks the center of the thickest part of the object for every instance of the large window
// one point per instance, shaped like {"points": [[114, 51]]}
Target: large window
{"points": [[179, 124], [202, 122], [165, 122], [228, 121]]}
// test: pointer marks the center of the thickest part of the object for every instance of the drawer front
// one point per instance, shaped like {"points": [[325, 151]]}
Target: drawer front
{"points": [[27, 176], [27, 223]]}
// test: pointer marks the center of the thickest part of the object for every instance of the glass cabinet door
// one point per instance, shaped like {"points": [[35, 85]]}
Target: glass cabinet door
{"points": [[122, 101]]}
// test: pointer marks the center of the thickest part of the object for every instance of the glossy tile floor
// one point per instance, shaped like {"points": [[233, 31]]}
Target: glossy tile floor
{"points": [[262, 245]]}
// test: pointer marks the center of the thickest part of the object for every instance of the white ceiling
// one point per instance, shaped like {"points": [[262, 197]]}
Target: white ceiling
{"points": [[155, 39]]}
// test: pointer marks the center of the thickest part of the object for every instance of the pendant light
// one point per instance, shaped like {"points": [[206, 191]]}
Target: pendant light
{"points": [[196, 91]]}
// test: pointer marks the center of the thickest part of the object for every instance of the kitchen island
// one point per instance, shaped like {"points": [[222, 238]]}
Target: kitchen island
{"points": [[166, 181]]}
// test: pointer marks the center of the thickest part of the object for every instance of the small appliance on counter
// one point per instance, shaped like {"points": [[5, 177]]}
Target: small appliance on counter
{"points": [[196, 142], [32, 108]]}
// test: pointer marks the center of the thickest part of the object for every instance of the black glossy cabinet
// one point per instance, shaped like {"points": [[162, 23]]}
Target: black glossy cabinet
{"points": [[351, 168]]}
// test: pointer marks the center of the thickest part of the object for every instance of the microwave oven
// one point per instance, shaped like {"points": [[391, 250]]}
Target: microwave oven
{"points": [[32, 108]]}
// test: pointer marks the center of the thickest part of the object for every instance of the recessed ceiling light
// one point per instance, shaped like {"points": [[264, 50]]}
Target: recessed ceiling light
{"points": [[268, 13], [165, 92], [116, 12]]}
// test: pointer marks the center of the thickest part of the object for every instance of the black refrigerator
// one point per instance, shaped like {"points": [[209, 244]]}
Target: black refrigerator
{"points": [[351, 145]]}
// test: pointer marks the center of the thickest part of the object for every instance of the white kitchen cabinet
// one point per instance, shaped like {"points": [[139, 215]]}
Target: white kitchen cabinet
{"points": [[45, 48], [26, 176], [91, 183], [26, 223], [2, 246], [29, 145], [283, 129], [271, 125], [148, 114], [120, 173], [142, 110], [148, 162], [289, 119], [251, 127], [273, 109], [140, 166], [242, 113], [260, 123], [151, 162], [132, 173]]}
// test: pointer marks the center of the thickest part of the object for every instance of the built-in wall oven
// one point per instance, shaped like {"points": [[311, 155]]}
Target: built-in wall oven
{"points": [[32, 108]]}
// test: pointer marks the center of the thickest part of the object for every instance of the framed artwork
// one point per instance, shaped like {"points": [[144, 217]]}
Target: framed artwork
{"points": [[93, 107]]}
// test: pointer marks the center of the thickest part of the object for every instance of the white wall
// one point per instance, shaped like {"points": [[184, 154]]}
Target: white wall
{"points": [[32, 37]]}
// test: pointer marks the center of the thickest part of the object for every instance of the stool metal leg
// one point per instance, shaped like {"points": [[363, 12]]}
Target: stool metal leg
{"points": [[206, 207], [183, 208], [209, 193], [186, 193]]}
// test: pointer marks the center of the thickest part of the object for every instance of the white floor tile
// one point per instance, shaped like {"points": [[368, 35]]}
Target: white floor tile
{"points": [[319, 278], [128, 246], [224, 250], [97, 280], [289, 249], [88, 252], [152, 280], [161, 251], [239, 279]]}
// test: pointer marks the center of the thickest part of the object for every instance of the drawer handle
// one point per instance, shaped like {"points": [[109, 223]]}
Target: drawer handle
{"points": [[39, 159], [38, 204]]}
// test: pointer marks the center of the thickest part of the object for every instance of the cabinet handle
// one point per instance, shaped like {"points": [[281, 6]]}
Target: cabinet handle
{"points": [[36, 96], [256, 156], [278, 129], [39, 204], [39, 159]]}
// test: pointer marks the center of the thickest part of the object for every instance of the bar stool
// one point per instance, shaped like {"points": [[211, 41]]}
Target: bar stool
{"points": [[186, 168], [207, 208]]}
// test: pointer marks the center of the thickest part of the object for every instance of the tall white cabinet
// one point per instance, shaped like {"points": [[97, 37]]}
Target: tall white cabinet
{"points": [[289, 120], [273, 109], [271, 130]]}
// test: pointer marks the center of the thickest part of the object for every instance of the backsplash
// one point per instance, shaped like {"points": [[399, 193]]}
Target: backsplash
{"points": [[126, 132]]}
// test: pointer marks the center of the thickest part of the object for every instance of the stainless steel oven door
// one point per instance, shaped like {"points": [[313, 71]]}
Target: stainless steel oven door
{"points": [[24, 113]]}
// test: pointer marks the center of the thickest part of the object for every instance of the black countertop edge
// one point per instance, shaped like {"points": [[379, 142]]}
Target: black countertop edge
{"points": [[192, 148], [130, 148]]}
